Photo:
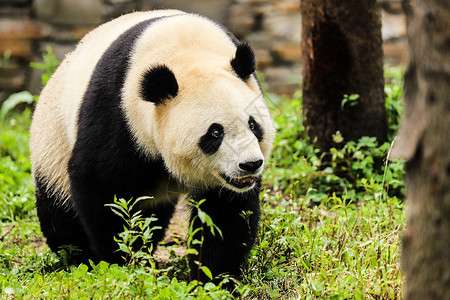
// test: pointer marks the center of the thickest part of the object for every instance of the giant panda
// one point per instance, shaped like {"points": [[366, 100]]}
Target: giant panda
{"points": [[159, 104]]}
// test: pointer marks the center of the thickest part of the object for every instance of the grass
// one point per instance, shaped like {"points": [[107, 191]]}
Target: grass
{"points": [[330, 228], [332, 251]]}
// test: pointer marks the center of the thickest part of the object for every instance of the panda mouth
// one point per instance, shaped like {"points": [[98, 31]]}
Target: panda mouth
{"points": [[240, 182]]}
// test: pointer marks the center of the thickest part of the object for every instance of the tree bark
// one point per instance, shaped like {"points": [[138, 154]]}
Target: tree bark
{"points": [[342, 54], [424, 141]]}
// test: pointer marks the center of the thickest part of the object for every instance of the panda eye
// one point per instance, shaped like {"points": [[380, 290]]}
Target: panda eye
{"points": [[212, 139], [217, 133], [255, 128]]}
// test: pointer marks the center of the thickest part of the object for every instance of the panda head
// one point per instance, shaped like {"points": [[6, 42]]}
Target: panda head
{"points": [[211, 126]]}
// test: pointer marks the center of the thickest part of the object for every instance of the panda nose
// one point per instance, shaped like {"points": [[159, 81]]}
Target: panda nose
{"points": [[251, 166]]}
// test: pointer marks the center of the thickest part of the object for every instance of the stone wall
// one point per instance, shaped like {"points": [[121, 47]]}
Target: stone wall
{"points": [[272, 27]]}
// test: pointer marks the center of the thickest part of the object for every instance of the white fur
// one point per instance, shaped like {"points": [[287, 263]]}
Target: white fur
{"points": [[198, 52]]}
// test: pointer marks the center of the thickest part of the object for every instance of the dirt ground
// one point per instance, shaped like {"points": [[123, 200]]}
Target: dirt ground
{"points": [[176, 234]]}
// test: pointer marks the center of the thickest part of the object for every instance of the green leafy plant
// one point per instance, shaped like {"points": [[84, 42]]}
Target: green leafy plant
{"points": [[137, 231], [299, 168], [16, 184], [394, 107], [4, 63], [49, 65], [349, 100], [15, 99]]}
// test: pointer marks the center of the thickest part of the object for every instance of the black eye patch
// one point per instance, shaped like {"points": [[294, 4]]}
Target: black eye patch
{"points": [[212, 139], [255, 128]]}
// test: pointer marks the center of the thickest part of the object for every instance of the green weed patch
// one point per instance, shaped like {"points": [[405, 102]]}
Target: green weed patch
{"points": [[330, 228]]}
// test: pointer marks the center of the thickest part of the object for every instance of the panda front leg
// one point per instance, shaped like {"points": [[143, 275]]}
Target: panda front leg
{"points": [[237, 216], [99, 223], [102, 225]]}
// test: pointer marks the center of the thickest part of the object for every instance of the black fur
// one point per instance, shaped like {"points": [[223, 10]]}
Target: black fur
{"points": [[236, 42], [59, 224], [257, 129], [227, 210], [243, 63], [158, 84], [210, 143]]}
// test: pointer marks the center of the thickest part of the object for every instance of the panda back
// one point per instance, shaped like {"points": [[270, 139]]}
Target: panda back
{"points": [[86, 56]]}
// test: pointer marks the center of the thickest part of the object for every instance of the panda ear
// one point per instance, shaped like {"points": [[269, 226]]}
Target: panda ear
{"points": [[243, 63], [158, 84]]}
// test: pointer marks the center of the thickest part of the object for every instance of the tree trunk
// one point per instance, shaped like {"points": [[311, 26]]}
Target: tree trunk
{"points": [[424, 140], [342, 54]]}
